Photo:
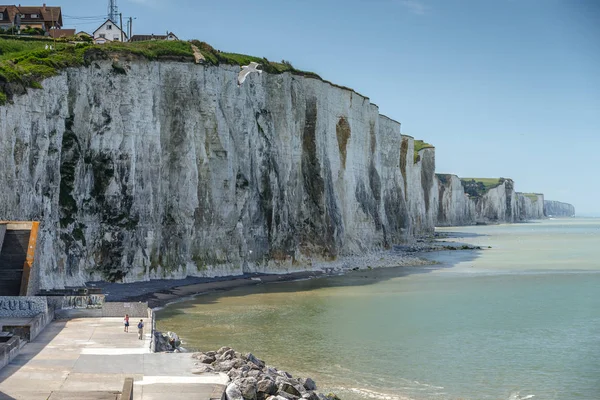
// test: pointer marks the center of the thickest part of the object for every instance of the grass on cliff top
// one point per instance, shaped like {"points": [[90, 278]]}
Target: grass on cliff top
{"points": [[25, 63], [420, 145], [531, 196], [489, 183], [217, 57], [477, 187]]}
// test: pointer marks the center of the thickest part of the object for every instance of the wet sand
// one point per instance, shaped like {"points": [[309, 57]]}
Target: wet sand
{"points": [[159, 292]]}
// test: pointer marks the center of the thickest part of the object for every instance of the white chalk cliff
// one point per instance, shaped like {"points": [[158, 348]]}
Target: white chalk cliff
{"points": [[172, 170]]}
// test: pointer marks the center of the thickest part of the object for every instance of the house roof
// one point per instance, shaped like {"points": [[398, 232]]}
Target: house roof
{"points": [[114, 24], [139, 38], [47, 14], [56, 33]]}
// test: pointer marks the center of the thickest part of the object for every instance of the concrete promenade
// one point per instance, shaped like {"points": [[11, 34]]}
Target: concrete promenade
{"points": [[89, 358]]}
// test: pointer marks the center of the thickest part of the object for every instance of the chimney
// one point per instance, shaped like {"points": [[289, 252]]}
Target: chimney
{"points": [[44, 6]]}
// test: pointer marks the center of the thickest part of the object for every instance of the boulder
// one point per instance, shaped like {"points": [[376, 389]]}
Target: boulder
{"points": [[233, 392], [255, 373], [227, 355], [223, 349], [284, 374], [289, 388], [266, 387], [310, 395], [251, 358], [202, 368], [224, 366], [287, 396], [308, 384], [204, 358], [247, 387]]}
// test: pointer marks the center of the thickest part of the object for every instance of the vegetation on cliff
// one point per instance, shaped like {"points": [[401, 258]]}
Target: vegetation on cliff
{"points": [[25, 63], [476, 187], [532, 196], [420, 145]]}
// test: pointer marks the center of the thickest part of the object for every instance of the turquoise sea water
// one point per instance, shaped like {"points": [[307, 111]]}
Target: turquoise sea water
{"points": [[520, 319]]}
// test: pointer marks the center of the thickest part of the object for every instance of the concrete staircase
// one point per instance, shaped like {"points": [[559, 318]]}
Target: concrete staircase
{"points": [[13, 252]]}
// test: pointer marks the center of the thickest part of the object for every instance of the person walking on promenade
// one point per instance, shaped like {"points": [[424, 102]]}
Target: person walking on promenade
{"points": [[126, 322], [141, 329]]}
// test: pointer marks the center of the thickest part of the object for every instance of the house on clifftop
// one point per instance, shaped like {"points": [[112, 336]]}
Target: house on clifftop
{"points": [[109, 32], [141, 38], [21, 17]]}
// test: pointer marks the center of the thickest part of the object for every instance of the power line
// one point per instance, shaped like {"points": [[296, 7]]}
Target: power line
{"points": [[84, 17]]}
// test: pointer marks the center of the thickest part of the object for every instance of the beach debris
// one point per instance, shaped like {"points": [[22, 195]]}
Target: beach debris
{"points": [[246, 70]]}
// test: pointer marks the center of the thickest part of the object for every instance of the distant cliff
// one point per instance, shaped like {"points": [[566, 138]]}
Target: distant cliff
{"points": [[146, 169], [471, 201], [455, 207], [557, 209]]}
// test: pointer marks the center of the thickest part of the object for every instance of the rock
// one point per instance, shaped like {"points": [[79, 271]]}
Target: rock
{"points": [[285, 374], [224, 366], [204, 358], [289, 388], [287, 396], [266, 387], [227, 355], [276, 398], [202, 368], [233, 392], [236, 373], [223, 349], [211, 353], [251, 358], [308, 384], [310, 396], [272, 372], [255, 373], [247, 387]]}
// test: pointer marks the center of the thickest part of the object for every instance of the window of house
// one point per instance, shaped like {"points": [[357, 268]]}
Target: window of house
{"points": [[1, 16], [102, 35], [108, 26], [116, 38], [34, 16]]}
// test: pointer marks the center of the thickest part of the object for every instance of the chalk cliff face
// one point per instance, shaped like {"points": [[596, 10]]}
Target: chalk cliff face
{"points": [[530, 206], [172, 170], [557, 209], [422, 187], [455, 206], [500, 204]]}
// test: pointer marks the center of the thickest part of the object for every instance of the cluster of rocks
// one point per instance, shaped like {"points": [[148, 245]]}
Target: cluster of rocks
{"points": [[167, 342], [251, 379]]}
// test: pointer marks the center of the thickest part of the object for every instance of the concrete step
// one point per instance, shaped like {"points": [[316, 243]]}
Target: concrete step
{"points": [[96, 395]]}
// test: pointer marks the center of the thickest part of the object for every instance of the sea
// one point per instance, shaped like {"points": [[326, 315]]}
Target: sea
{"points": [[518, 319]]}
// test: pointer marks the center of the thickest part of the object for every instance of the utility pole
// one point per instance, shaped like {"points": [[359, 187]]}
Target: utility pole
{"points": [[121, 25], [130, 27]]}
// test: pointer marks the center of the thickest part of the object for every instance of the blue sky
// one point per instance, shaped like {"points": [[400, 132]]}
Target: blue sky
{"points": [[505, 88]]}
